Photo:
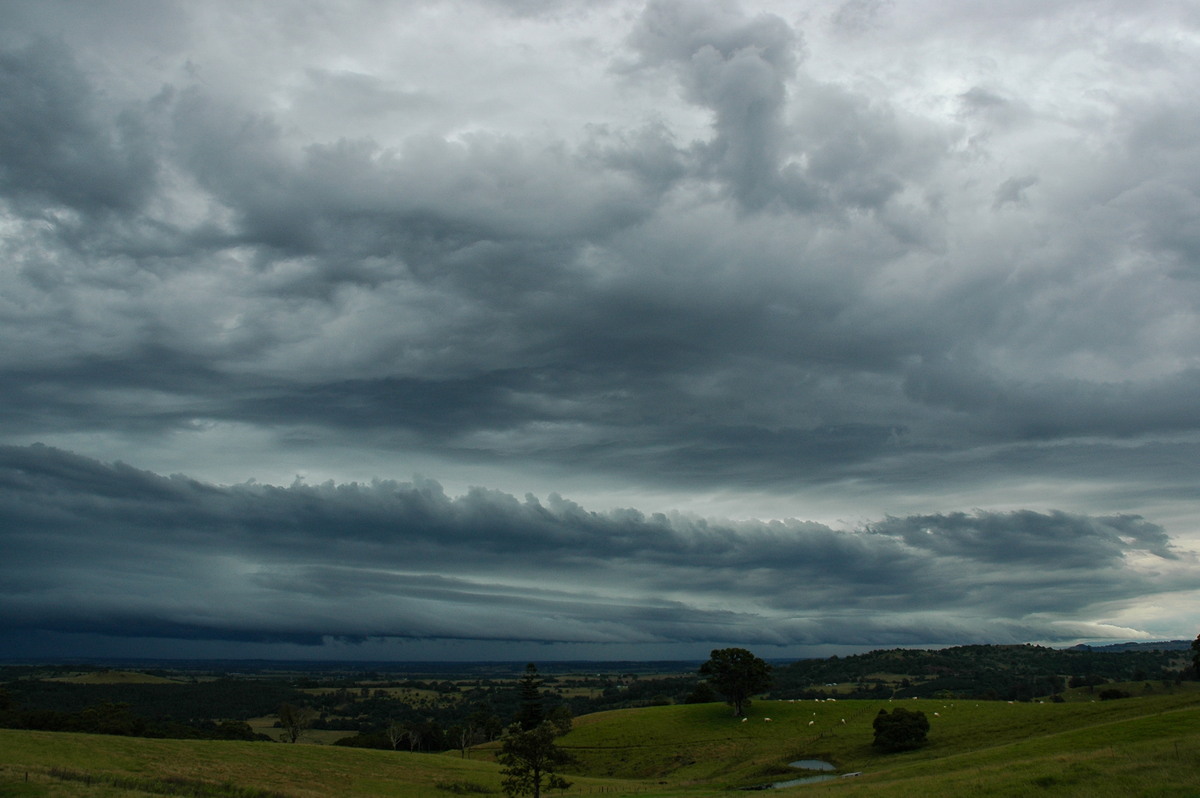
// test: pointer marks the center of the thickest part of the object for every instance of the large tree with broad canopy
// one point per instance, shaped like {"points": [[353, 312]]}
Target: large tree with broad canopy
{"points": [[736, 674]]}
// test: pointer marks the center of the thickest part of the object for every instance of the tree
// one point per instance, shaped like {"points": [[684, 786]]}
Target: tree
{"points": [[395, 732], [736, 674], [1196, 656], [488, 723], [294, 720], [236, 730], [110, 718], [463, 736], [532, 713], [529, 759], [561, 718], [902, 730], [415, 734], [701, 694]]}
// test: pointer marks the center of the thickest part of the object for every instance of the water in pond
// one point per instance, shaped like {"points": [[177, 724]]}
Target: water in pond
{"points": [[779, 785], [805, 764], [811, 764]]}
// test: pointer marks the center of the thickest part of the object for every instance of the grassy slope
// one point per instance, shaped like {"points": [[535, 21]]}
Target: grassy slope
{"points": [[296, 770], [1128, 747], [1140, 746]]}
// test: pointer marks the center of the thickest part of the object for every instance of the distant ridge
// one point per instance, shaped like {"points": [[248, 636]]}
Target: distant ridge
{"points": [[1010, 672], [1165, 645]]}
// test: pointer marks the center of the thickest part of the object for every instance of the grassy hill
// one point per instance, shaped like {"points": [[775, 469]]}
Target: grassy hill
{"points": [[1145, 745]]}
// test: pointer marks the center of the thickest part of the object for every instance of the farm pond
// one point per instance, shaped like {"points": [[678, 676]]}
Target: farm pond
{"points": [[823, 772]]}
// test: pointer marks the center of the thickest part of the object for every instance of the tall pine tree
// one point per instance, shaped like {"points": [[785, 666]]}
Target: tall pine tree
{"points": [[531, 712]]}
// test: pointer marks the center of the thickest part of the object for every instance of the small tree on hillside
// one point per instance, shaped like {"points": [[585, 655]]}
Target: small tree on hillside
{"points": [[1196, 656], [532, 712], [902, 730], [561, 718], [395, 732], [294, 720], [463, 736], [529, 759], [736, 674]]}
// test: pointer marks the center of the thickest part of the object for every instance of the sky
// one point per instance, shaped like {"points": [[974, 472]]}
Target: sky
{"points": [[533, 329]]}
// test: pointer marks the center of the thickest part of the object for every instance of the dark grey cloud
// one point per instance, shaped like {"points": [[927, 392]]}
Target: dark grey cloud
{"points": [[428, 200], [1060, 408], [701, 253], [113, 550], [738, 67], [1013, 191], [59, 144], [591, 296]]}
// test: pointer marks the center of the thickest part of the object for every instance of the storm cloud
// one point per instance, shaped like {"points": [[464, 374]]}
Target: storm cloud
{"points": [[921, 275], [404, 560]]}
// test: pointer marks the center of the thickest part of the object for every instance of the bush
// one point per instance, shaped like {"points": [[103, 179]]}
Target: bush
{"points": [[902, 730]]}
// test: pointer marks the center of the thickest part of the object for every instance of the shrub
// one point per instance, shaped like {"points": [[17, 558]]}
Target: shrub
{"points": [[902, 730]]}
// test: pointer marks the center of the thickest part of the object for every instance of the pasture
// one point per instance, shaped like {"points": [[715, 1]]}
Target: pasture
{"points": [[1144, 745]]}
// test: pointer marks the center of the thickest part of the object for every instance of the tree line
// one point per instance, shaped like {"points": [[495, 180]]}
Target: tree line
{"points": [[1004, 672]]}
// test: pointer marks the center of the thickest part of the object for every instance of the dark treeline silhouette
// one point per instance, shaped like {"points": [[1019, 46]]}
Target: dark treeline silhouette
{"points": [[1009, 672]]}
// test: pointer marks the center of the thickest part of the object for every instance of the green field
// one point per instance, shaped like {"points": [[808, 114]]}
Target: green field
{"points": [[1142, 746], [114, 677]]}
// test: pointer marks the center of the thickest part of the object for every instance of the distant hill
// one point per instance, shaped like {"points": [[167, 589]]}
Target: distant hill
{"points": [[1164, 645], [115, 677], [1012, 672]]}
